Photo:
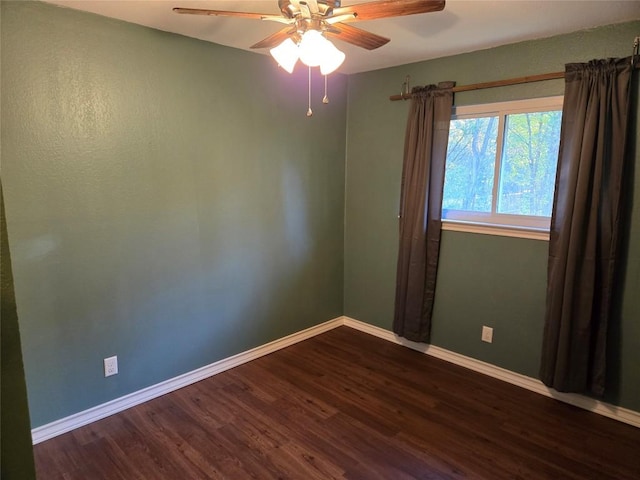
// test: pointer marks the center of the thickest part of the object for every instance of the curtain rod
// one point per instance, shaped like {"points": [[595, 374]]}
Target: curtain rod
{"points": [[497, 83]]}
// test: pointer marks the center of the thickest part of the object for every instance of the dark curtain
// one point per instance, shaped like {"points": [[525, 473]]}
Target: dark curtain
{"points": [[425, 151], [585, 225]]}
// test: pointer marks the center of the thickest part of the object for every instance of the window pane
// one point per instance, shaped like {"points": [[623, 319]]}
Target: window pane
{"points": [[529, 159], [471, 156]]}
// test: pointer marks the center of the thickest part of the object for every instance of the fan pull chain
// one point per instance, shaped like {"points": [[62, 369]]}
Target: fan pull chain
{"points": [[325, 99], [309, 112]]}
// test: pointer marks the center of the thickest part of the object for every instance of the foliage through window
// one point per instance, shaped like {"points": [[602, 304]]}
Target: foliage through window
{"points": [[501, 163]]}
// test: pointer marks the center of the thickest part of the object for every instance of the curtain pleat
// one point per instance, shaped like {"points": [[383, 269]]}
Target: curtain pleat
{"points": [[585, 225], [425, 152]]}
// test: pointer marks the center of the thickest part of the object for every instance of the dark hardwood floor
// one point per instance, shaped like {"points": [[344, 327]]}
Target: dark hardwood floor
{"points": [[346, 405]]}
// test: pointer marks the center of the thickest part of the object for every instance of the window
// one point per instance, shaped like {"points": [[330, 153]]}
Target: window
{"points": [[501, 165]]}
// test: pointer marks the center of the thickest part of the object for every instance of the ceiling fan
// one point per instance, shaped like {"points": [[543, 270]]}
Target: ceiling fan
{"points": [[309, 22]]}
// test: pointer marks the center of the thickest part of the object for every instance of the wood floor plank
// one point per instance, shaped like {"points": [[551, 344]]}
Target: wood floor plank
{"points": [[346, 405]]}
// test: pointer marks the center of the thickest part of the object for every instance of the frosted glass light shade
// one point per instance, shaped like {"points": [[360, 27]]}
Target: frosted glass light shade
{"points": [[286, 54], [312, 48], [332, 59]]}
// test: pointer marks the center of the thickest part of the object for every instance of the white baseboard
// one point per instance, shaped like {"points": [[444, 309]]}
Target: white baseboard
{"points": [[612, 411], [64, 425]]}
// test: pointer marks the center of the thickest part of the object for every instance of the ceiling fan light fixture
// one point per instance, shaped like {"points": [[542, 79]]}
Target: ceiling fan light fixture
{"points": [[286, 54]]}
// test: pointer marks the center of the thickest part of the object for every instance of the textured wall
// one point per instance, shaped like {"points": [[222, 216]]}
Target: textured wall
{"points": [[167, 201], [482, 280]]}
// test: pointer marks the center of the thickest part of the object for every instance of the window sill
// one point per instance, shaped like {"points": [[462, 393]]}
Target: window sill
{"points": [[489, 229]]}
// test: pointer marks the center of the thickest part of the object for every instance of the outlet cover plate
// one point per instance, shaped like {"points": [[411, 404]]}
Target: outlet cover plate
{"points": [[111, 366], [487, 334]]}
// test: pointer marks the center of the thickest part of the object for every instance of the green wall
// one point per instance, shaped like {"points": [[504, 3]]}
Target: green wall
{"points": [[167, 202], [482, 279]]}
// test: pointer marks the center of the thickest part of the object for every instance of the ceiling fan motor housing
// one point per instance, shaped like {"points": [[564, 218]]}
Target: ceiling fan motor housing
{"points": [[295, 8]]}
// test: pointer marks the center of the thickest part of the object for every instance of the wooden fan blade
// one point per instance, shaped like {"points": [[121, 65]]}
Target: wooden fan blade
{"points": [[357, 36], [273, 40], [340, 18], [386, 9], [225, 13]]}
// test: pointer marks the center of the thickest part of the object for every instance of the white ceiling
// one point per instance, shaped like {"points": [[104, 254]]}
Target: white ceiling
{"points": [[463, 26]]}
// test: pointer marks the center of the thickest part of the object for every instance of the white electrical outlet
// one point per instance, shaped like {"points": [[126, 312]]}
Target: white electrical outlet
{"points": [[111, 366], [487, 334]]}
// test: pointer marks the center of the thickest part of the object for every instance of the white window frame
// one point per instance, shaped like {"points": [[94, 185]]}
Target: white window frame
{"points": [[525, 226]]}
